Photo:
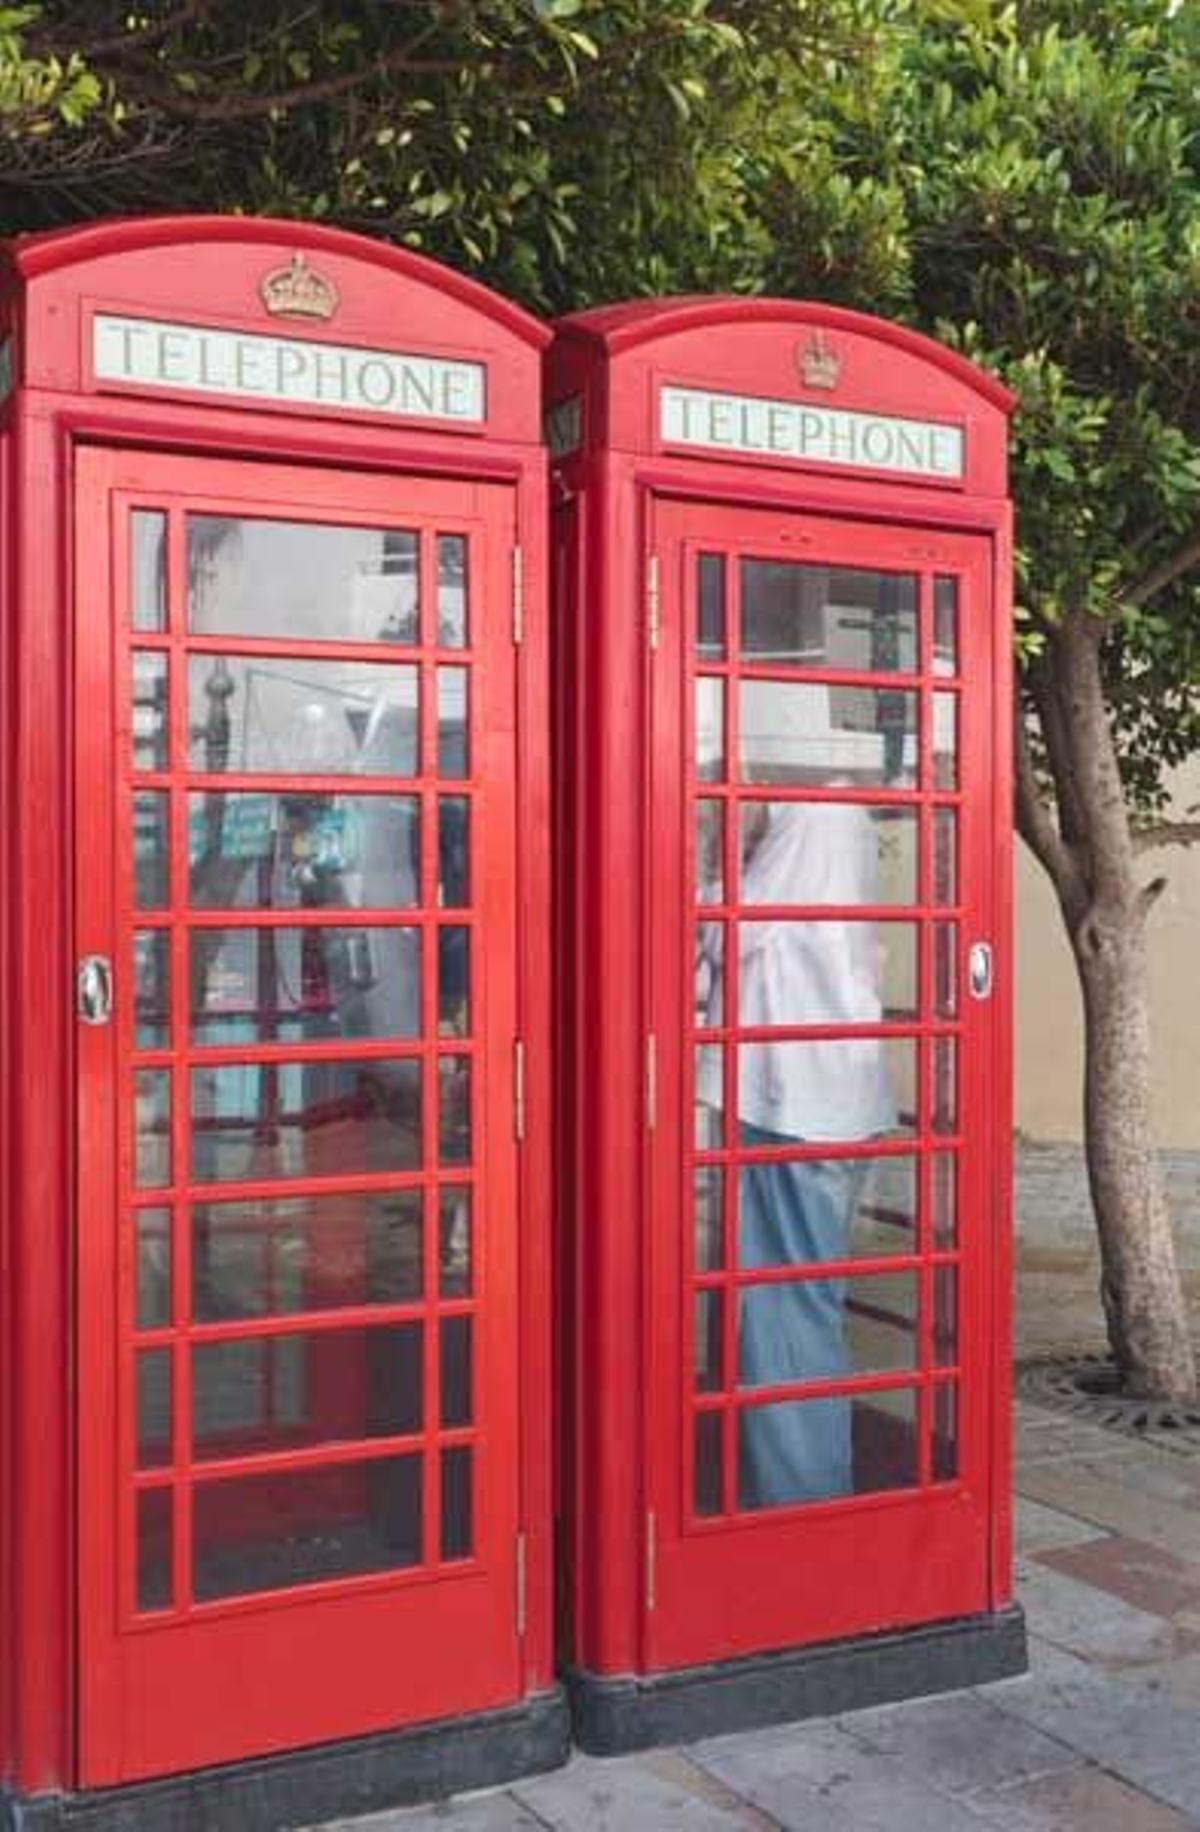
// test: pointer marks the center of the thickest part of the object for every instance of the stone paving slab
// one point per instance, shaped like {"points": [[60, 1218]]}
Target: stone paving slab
{"points": [[1080, 1800], [656, 1791]]}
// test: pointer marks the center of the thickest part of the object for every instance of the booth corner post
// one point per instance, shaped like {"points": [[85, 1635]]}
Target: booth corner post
{"points": [[276, 1522], [781, 603]]}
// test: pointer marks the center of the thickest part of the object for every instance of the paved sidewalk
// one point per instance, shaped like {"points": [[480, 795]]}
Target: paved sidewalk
{"points": [[1103, 1734]]}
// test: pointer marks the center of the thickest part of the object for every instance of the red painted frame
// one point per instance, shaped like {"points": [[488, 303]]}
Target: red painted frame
{"points": [[614, 583], [206, 269]]}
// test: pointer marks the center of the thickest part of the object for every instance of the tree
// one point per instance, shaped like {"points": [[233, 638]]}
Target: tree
{"points": [[1022, 180]]}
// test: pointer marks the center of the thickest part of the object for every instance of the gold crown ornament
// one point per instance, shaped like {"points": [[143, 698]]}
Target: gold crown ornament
{"points": [[298, 291], [820, 365]]}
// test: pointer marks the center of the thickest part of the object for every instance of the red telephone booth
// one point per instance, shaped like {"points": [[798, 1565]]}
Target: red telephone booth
{"points": [[275, 1319], [782, 558]]}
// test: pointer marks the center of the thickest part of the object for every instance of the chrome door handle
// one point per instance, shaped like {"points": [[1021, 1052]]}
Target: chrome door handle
{"points": [[979, 970], [94, 989]]}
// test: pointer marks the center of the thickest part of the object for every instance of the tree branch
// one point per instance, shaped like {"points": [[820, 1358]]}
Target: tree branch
{"points": [[1165, 573], [1035, 820], [232, 107], [1166, 833]]}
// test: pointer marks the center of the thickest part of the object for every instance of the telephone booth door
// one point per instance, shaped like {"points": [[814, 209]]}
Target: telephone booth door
{"points": [[820, 918], [297, 1263]]}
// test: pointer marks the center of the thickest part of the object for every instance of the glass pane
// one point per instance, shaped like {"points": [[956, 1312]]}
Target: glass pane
{"points": [[945, 969], [945, 1316], [154, 1562], [454, 1109], [945, 1431], [945, 626], [798, 1214], [150, 711], [454, 1243], [709, 1206], [272, 1258], [151, 875], [847, 1088], [710, 1096], [305, 1119], [710, 852], [287, 1392], [452, 590], [274, 851], [151, 989], [817, 1449], [822, 1329], [303, 1526], [826, 972], [153, 1231], [281, 714], [945, 855], [708, 984], [828, 616], [453, 723], [707, 1480], [153, 1408], [455, 1359], [803, 733], [945, 741], [456, 1503], [710, 729], [301, 580], [945, 1220], [710, 598], [300, 985], [828, 853], [708, 1341], [152, 1127], [945, 1085], [454, 852], [148, 569], [454, 982]]}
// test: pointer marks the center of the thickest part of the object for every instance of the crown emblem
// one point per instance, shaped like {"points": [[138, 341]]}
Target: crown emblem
{"points": [[819, 365], [298, 291]]}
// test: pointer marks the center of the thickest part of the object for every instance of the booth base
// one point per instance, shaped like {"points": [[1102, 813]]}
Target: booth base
{"points": [[305, 1787], [614, 1715]]}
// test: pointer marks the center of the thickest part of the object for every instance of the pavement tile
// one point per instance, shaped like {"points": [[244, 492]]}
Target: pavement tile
{"points": [[958, 1742], [1177, 1680], [1132, 1569], [1094, 1623], [488, 1813], [1068, 1485], [617, 1793], [1081, 1800], [1038, 1528]]}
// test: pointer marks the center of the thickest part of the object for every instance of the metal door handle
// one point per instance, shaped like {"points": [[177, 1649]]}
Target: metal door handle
{"points": [[979, 970], [94, 989]]}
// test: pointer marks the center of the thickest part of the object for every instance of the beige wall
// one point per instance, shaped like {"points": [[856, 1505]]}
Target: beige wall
{"points": [[1048, 1031]]}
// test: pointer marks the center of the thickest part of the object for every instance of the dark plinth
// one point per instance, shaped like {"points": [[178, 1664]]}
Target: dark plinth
{"points": [[612, 1715], [334, 1780]]}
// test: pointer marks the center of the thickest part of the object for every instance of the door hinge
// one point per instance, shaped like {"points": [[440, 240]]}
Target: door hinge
{"points": [[651, 1560], [519, 1090], [518, 595], [651, 1080], [652, 601], [521, 1584]]}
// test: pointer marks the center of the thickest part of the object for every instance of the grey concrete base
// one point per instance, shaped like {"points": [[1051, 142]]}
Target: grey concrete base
{"points": [[615, 1715], [426, 1762]]}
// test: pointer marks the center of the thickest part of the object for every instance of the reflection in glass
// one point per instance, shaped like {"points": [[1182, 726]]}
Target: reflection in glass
{"points": [[945, 969], [710, 728], [150, 710], [710, 622], [454, 981], [803, 733], [452, 590], [828, 616], [303, 1526], [275, 851], [945, 855], [152, 1125], [710, 1096], [945, 1431], [848, 1088], [945, 1085], [295, 1119], [710, 851], [453, 723], [875, 1437], [301, 580], [285, 714], [709, 977], [454, 852], [707, 1481], [294, 985], [148, 569], [456, 1502], [273, 1257], [945, 741], [945, 1204], [153, 1408], [709, 1231], [153, 1231], [828, 972], [826, 1209], [945, 626], [151, 874], [454, 1355], [288, 1392], [454, 1109], [707, 1347], [151, 989], [945, 1316], [154, 1562], [454, 1241], [844, 852]]}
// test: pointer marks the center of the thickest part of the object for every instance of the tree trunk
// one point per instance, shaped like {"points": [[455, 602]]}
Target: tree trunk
{"points": [[1090, 857]]}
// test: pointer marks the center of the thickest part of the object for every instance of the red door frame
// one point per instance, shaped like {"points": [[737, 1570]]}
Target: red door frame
{"points": [[48, 286]]}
